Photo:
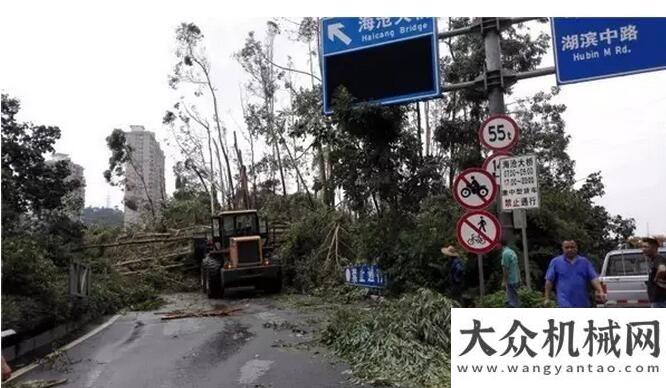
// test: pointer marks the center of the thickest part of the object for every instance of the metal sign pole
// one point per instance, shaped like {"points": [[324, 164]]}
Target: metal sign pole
{"points": [[482, 282], [528, 282], [490, 28]]}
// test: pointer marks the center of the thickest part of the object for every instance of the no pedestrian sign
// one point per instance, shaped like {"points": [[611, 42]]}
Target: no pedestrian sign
{"points": [[478, 231], [474, 188], [520, 183]]}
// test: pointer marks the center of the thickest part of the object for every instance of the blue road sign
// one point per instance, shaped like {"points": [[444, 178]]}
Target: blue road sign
{"points": [[593, 48], [384, 60], [365, 275]]}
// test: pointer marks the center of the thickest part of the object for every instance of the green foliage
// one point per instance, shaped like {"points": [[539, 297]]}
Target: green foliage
{"points": [[101, 216], [25, 267], [497, 299], [29, 184], [307, 251], [120, 155], [374, 156], [404, 341], [462, 111], [190, 181], [186, 210], [542, 132], [33, 288], [407, 245]]}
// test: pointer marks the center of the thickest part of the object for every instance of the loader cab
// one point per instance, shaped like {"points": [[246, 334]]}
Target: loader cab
{"points": [[237, 223]]}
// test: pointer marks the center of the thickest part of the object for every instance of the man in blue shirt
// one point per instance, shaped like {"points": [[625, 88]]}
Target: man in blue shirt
{"points": [[571, 274]]}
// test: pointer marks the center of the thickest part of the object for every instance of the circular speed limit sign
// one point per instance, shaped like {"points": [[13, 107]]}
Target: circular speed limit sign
{"points": [[499, 133]]}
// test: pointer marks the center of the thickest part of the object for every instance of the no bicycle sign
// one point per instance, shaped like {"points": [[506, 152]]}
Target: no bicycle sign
{"points": [[478, 231]]}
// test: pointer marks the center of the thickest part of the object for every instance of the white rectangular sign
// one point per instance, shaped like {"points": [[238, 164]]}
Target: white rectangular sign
{"points": [[519, 187], [555, 348]]}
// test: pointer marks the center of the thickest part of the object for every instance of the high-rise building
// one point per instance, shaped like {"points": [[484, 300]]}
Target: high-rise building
{"points": [[74, 201], [144, 176]]}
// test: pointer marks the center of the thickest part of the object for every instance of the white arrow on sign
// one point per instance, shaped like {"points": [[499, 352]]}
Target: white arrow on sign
{"points": [[335, 31]]}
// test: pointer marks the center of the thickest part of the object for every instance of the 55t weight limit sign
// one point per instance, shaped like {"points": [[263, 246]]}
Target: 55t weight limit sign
{"points": [[499, 133]]}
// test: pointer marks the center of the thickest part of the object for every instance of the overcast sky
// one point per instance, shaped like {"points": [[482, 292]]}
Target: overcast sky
{"points": [[90, 69]]}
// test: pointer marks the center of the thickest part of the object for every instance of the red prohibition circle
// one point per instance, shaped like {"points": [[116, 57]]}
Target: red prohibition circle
{"points": [[465, 244], [513, 141], [493, 156], [491, 195]]}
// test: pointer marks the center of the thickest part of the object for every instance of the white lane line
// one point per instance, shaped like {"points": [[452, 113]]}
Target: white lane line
{"points": [[70, 345]]}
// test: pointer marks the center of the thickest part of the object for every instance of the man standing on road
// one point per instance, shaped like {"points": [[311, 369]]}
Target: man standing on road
{"points": [[656, 283], [455, 270], [570, 274], [510, 274]]}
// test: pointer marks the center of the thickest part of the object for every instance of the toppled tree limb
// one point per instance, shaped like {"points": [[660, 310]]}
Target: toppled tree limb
{"points": [[177, 254], [134, 242], [200, 314], [135, 261], [40, 383], [161, 266]]}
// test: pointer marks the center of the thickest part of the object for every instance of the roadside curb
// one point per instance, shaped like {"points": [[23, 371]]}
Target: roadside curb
{"points": [[70, 345]]}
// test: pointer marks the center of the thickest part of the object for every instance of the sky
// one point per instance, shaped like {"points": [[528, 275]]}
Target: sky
{"points": [[90, 67]]}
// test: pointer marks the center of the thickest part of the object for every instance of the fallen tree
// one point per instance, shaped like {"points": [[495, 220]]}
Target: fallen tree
{"points": [[402, 341]]}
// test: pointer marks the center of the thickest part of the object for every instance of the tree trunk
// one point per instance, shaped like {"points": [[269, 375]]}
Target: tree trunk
{"points": [[223, 191], [217, 123], [212, 171], [320, 150], [270, 104], [298, 172], [279, 158]]}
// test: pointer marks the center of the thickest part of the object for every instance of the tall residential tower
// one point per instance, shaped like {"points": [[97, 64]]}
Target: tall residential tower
{"points": [[145, 176]]}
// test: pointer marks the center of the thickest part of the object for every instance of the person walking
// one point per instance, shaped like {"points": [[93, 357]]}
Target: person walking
{"points": [[510, 274], [656, 283], [570, 274], [455, 270]]}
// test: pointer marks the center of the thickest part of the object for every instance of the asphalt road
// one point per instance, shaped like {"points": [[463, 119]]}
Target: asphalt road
{"points": [[261, 346]]}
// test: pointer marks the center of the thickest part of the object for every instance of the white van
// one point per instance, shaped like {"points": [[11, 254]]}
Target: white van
{"points": [[623, 277]]}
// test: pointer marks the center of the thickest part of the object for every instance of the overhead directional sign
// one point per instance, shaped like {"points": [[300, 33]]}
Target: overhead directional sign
{"points": [[492, 165], [592, 48], [474, 188], [384, 60], [499, 133], [478, 231], [520, 183]]}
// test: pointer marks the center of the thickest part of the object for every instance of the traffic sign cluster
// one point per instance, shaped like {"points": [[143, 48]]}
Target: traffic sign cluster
{"points": [[479, 231]]}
